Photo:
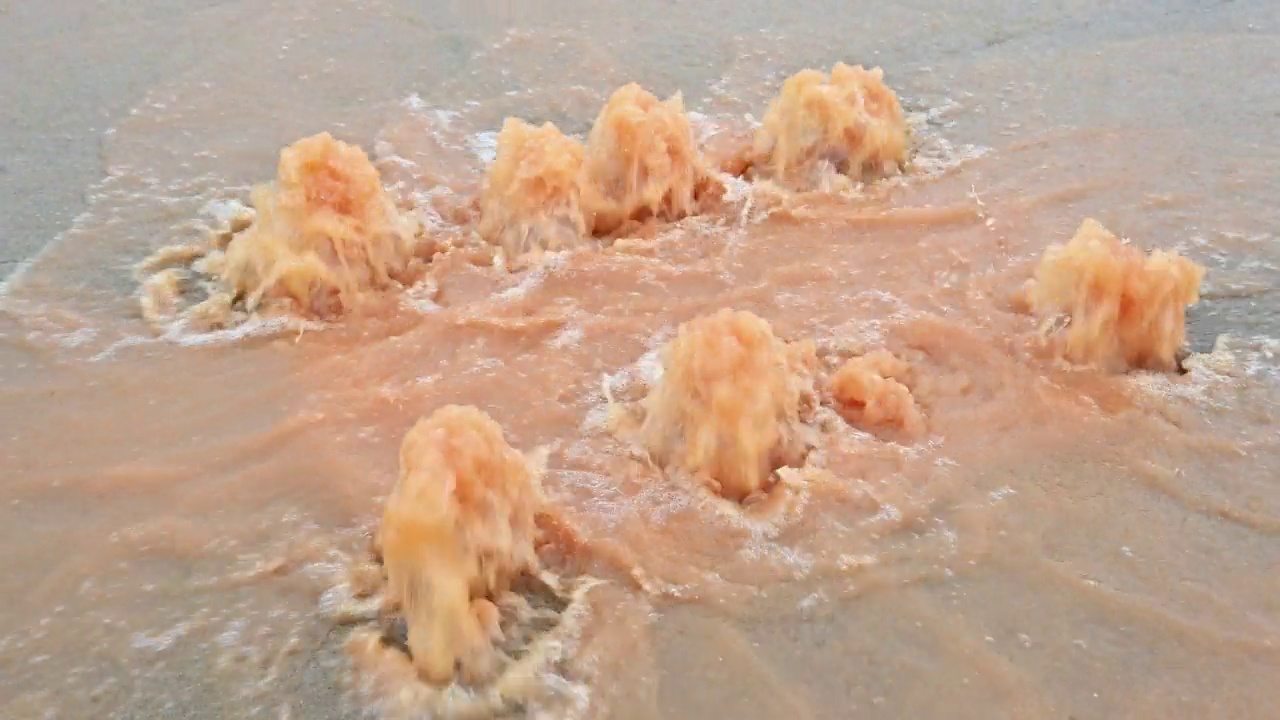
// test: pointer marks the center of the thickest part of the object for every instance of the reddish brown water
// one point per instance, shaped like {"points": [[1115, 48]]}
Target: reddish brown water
{"points": [[1055, 543]]}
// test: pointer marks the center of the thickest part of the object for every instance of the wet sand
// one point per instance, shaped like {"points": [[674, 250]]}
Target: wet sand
{"points": [[1059, 543]]}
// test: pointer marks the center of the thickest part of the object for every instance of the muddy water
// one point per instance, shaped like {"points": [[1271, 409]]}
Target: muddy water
{"points": [[1059, 544]]}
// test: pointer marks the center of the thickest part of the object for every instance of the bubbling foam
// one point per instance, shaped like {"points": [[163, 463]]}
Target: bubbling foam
{"points": [[731, 405], [545, 191], [850, 121], [642, 162], [871, 392], [532, 199], [458, 529], [1125, 309], [324, 234]]}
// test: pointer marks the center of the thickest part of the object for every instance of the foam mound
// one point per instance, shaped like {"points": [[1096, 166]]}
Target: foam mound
{"points": [[849, 121], [731, 404], [325, 232], [457, 531], [871, 392], [1123, 308], [641, 162], [531, 200], [322, 236]]}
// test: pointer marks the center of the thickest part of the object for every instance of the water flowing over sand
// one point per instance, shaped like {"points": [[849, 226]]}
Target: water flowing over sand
{"points": [[377, 358]]}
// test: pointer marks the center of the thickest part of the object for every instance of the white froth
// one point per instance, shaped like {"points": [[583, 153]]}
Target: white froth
{"points": [[551, 263], [484, 145], [162, 640]]}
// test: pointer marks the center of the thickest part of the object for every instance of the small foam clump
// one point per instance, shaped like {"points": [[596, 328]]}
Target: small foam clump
{"points": [[730, 404], [871, 393], [531, 201], [641, 162], [1125, 309], [321, 237], [458, 529], [849, 121]]}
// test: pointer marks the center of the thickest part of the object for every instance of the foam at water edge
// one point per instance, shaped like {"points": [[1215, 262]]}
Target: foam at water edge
{"points": [[424, 208], [932, 153], [67, 338], [421, 296], [1231, 361], [484, 145], [570, 336], [703, 126], [163, 640], [552, 262], [645, 371], [224, 210], [179, 333]]}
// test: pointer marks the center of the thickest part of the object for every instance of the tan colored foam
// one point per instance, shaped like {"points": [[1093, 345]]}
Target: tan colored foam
{"points": [[849, 120], [325, 232], [531, 200], [871, 393], [457, 530], [1125, 308], [641, 162], [160, 295], [728, 407]]}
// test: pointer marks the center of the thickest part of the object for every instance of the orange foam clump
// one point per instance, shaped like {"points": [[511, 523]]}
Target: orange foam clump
{"points": [[728, 406], [325, 232], [641, 162], [850, 121], [1125, 308], [457, 529], [531, 200], [871, 393]]}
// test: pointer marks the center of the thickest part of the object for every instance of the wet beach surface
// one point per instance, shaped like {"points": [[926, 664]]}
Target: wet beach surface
{"points": [[177, 508]]}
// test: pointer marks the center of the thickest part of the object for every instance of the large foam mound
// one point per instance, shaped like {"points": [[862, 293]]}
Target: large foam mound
{"points": [[325, 232], [457, 530], [641, 162], [849, 121], [871, 393], [1124, 308], [531, 200], [729, 404]]}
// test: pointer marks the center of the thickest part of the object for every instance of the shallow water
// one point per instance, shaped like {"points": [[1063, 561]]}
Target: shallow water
{"points": [[1059, 544]]}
